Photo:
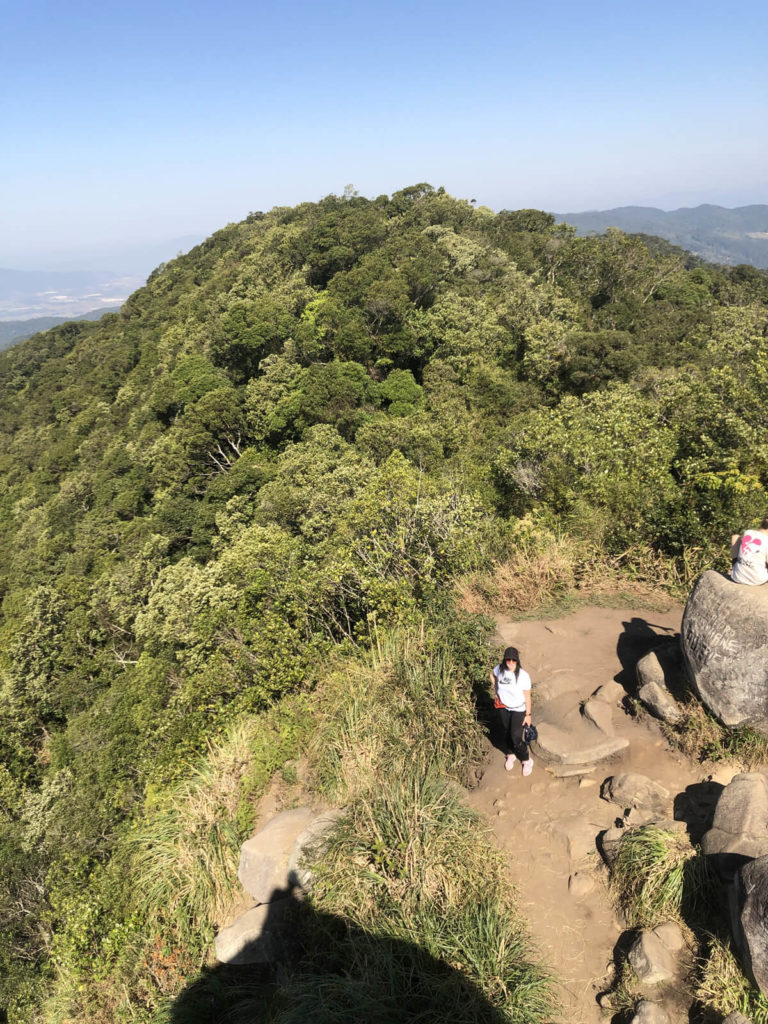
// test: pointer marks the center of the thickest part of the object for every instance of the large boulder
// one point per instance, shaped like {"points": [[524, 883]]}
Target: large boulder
{"points": [[265, 859], [259, 936], [724, 636], [740, 826], [749, 912]]}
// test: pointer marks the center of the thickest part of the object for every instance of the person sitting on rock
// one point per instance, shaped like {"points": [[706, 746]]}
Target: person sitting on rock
{"points": [[512, 689], [749, 552]]}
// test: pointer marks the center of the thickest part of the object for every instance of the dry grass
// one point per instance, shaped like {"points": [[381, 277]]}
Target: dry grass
{"points": [[561, 572], [702, 738]]}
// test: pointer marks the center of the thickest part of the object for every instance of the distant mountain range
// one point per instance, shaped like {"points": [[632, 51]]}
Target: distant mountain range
{"points": [[712, 232], [13, 331]]}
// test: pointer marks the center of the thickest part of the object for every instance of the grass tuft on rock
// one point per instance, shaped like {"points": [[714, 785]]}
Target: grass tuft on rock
{"points": [[657, 876]]}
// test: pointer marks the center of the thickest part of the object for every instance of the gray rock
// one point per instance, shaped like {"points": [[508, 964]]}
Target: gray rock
{"points": [[740, 826], [258, 936], [610, 693], [633, 790], [264, 858], [309, 843], [647, 1012], [750, 919], [736, 1018], [599, 714], [576, 746], [660, 703], [609, 844], [671, 935], [649, 670], [724, 636], [650, 959]]}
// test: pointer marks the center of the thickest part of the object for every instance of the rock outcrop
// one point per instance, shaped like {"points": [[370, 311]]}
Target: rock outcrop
{"points": [[257, 936], [273, 863], [724, 637], [264, 858], [740, 825]]}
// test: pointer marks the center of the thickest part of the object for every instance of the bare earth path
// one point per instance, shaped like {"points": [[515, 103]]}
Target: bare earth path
{"points": [[549, 825]]}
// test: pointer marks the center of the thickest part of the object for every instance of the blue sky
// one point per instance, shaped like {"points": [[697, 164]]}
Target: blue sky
{"points": [[133, 123]]}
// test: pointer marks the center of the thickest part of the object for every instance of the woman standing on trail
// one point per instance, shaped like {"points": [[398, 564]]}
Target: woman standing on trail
{"points": [[512, 689]]}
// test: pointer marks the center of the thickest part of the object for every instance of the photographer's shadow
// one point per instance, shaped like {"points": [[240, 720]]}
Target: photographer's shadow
{"points": [[322, 969]]}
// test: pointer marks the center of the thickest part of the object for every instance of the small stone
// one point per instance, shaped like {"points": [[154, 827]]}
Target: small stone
{"points": [[630, 789], [649, 670], [647, 1012], [600, 714], [264, 870], [660, 703], [586, 783], [569, 771], [500, 802], [580, 884], [635, 817], [609, 844], [650, 959]]}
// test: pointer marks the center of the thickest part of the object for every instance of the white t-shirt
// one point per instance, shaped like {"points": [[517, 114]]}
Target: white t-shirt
{"points": [[511, 690], [751, 565]]}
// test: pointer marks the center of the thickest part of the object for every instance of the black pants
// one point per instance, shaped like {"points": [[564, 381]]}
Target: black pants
{"points": [[512, 723]]}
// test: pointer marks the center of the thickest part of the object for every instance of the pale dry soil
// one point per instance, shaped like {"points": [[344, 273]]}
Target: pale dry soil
{"points": [[549, 826]]}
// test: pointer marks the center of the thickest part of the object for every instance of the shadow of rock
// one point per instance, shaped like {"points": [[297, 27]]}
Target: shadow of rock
{"points": [[638, 639], [328, 970], [696, 807]]}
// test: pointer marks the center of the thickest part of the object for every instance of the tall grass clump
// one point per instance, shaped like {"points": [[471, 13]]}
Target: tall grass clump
{"points": [[413, 919], [658, 875], [722, 987]]}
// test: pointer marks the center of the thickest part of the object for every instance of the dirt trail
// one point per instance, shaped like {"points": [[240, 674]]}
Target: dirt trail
{"points": [[549, 825]]}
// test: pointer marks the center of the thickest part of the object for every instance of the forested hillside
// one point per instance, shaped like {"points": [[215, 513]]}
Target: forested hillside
{"points": [[306, 430]]}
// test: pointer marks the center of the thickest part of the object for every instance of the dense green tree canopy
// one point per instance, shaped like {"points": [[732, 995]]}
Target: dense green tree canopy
{"points": [[318, 419]]}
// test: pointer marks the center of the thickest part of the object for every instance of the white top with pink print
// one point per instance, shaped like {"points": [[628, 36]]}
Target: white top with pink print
{"points": [[751, 565]]}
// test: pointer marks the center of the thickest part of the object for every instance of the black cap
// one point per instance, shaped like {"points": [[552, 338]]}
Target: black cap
{"points": [[511, 654]]}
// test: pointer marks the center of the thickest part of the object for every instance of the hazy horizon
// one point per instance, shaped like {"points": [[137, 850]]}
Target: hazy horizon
{"points": [[176, 119]]}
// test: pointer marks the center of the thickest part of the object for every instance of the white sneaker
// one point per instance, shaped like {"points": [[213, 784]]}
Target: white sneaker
{"points": [[528, 766], [509, 764]]}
